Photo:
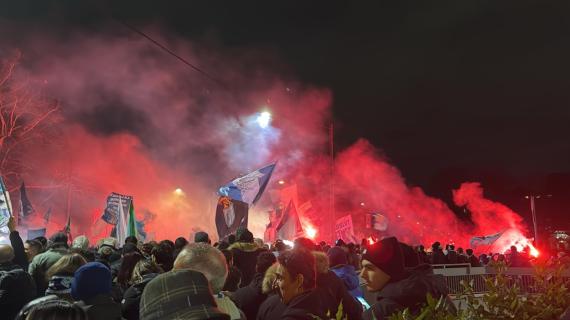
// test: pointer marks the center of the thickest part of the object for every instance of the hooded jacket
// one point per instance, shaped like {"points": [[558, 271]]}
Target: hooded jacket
{"points": [[350, 278], [16, 289], [333, 292], [409, 292], [41, 263], [245, 259], [132, 297]]}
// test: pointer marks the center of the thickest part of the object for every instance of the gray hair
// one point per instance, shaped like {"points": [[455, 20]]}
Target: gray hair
{"points": [[206, 259], [6, 253], [81, 242]]}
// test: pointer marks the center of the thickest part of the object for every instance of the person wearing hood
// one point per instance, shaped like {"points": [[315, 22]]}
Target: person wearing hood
{"points": [[245, 253], [43, 261], [249, 298], [91, 287], [16, 286], [338, 263], [296, 279], [383, 272], [144, 271]]}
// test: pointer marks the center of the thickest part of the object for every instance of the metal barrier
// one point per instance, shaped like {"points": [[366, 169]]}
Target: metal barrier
{"points": [[524, 278]]}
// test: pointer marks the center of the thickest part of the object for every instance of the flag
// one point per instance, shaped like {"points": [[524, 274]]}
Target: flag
{"points": [[140, 230], [230, 215], [5, 207], [121, 226], [47, 215], [289, 226], [132, 224], [67, 228], [111, 213], [250, 187], [485, 240], [34, 233], [26, 207]]}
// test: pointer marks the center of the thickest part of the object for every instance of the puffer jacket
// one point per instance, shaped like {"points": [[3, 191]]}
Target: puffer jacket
{"points": [[409, 293], [350, 278], [16, 289], [132, 297]]}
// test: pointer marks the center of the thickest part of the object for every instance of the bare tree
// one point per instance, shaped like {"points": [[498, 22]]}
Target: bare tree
{"points": [[26, 118]]}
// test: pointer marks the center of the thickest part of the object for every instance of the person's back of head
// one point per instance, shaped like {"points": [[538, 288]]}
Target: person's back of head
{"points": [[80, 242], [179, 294], [90, 280], [180, 243], [231, 239], [244, 235], [6, 253], [229, 255], [129, 248], [337, 257], [163, 256], [167, 243], [126, 270], [144, 267], [43, 241], [202, 237], [514, 250], [469, 252], [264, 261], [55, 309], [206, 259], [66, 265], [131, 239], [304, 243], [59, 239]]}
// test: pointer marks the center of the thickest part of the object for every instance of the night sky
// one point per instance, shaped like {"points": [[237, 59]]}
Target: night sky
{"points": [[450, 91]]}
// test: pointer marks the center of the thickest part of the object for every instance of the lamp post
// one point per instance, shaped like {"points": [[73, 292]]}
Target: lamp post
{"points": [[532, 198]]}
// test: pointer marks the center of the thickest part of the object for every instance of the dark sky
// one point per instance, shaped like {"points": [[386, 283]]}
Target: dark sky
{"points": [[449, 90]]}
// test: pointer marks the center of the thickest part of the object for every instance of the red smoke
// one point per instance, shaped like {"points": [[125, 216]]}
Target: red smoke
{"points": [[138, 122]]}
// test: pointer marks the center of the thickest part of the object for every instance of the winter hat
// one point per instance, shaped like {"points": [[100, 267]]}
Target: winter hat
{"points": [[59, 238], [81, 242], [387, 256], [337, 256], [179, 294], [91, 279], [201, 236], [245, 236]]}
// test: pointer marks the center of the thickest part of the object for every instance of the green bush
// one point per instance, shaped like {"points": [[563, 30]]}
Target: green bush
{"points": [[502, 300]]}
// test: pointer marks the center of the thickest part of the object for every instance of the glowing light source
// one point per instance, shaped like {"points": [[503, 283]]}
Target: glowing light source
{"points": [[371, 241], [263, 119], [281, 182], [362, 204], [311, 232], [179, 192]]}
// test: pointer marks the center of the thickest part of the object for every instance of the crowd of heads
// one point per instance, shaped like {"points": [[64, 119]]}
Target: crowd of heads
{"points": [[151, 280]]}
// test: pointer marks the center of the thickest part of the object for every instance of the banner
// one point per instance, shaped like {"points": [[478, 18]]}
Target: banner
{"points": [[34, 233], [485, 240], [111, 214], [344, 229], [289, 226], [230, 215], [26, 207], [376, 221], [248, 188]]}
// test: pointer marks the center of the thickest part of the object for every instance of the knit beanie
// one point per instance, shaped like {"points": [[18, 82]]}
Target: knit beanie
{"points": [[387, 256], [337, 256], [90, 280], [81, 242]]}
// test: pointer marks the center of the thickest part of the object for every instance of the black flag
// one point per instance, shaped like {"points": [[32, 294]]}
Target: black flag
{"points": [[230, 215], [26, 207]]}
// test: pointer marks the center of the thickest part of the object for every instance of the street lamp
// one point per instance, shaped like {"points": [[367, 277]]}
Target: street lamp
{"points": [[532, 197]]}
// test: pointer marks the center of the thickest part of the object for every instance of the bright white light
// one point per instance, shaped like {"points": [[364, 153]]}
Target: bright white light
{"points": [[263, 119], [311, 232], [179, 192], [281, 182]]}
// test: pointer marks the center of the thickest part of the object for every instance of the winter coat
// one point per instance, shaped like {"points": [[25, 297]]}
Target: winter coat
{"points": [[17, 288], [233, 280], [271, 308], [437, 257], [350, 278], [408, 293], [41, 263], [101, 307], [333, 292], [249, 298], [473, 261], [132, 298], [452, 257], [245, 259], [306, 306], [20, 257]]}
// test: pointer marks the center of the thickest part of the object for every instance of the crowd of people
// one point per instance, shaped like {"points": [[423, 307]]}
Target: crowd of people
{"points": [[238, 278]]}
